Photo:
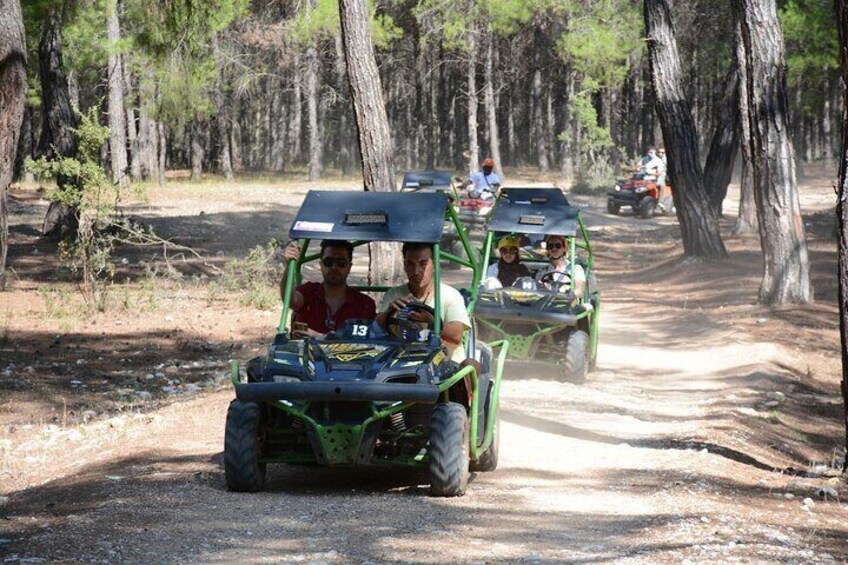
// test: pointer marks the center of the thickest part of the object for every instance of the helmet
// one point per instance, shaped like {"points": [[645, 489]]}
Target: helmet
{"points": [[488, 162], [509, 241], [552, 237]]}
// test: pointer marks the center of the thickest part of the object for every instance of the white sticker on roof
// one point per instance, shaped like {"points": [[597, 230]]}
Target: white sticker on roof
{"points": [[323, 227]]}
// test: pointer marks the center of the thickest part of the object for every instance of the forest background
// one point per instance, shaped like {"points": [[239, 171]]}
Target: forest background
{"points": [[232, 86]]}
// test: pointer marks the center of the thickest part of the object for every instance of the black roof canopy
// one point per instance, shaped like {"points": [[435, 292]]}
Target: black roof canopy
{"points": [[425, 180], [533, 210], [374, 216]]}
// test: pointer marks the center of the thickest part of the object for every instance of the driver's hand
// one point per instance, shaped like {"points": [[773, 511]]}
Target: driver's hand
{"points": [[399, 303], [423, 317], [309, 332], [292, 251]]}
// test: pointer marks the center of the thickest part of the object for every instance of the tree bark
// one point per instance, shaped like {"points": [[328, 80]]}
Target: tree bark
{"points": [[13, 83], [698, 223], [471, 77], [489, 101], [746, 221], [842, 216], [132, 129], [312, 107], [222, 117], [538, 116], [725, 144], [58, 137], [59, 120], [162, 143], [786, 273], [117, 117], [296, 126], [196, 151], [372, 124]]}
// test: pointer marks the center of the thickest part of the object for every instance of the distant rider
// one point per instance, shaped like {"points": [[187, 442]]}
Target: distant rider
{"points": [[484, 183]]}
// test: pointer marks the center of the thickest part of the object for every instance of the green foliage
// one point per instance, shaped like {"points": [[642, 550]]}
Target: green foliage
{"points": [[812, 46], [255, 278], [598, 41], [593, 137], [321, 21], [93, 199]]}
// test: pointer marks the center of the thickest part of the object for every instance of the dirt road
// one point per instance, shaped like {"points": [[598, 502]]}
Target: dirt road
{"points": [[678, 449]]}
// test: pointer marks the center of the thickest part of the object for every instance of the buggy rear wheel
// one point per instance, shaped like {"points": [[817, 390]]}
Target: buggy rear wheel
{"points": [[647, 207], [489, 459], [577, 356], [243, 447], [448, 450]]}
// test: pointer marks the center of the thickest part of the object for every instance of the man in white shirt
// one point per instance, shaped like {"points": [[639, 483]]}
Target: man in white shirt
{"points": [[419, 267], [484, 183]]}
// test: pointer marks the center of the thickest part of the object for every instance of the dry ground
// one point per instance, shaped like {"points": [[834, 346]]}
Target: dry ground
{"points": [[678, 448]]}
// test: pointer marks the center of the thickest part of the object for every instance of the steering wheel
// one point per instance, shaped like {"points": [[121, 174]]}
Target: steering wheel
{"points": [[549, 280], [399, 324]]}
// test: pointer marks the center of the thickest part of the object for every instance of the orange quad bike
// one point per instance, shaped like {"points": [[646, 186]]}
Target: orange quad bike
{"points": [[641, 193]]}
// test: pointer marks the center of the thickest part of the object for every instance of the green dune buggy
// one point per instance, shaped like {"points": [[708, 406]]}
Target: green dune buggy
{"points": [[364, 395], [540, 322]]}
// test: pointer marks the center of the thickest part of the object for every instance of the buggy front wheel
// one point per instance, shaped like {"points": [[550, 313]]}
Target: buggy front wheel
{"points": [[613, 207], [448, 450], [577, 356], [243, 448]]}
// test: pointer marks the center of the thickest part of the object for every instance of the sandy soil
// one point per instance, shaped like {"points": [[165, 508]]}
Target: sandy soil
{"points": [[708, 423]]}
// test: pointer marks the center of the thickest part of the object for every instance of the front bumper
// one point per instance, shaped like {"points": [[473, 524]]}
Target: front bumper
{"points": [[624, 198], [339, 391]]}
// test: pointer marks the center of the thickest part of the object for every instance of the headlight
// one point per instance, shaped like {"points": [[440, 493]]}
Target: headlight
{"points": [[285, 379], [617, 188], [641, 189]]}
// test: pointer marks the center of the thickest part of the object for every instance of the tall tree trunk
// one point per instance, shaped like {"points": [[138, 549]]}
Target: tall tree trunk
{"points": [[132, 128], [13, 85], [538, 116], [196, 151], [26, 147], [58, 118], [162, 143], [842, 215], [372, 124], [566, 162], [296, 126], [746, 221], [489, 101], [312, 106], [222, 117], [786, 273], [117, 117], [471, 73], [724, 146], [58, 137], [344, 154], [698, 223]]}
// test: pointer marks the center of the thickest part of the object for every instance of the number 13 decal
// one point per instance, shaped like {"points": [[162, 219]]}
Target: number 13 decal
{"points": [[360, 331]]}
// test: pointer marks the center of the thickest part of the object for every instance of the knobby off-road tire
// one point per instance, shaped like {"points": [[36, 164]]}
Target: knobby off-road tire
{"points": [[489, 460], [577, 356], [243, 448], [647, 207], [613, 208], [448, 450]]}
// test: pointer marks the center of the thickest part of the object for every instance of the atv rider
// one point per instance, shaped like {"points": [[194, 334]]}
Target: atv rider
{"points": [[651, 165], [509, 267], [326, 306], [557, 248], [484, 183], [419, 267]]}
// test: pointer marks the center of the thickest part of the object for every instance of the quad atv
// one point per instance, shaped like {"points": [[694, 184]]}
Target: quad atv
{"points": [[641, 193], [542, 321], [368, 394]]}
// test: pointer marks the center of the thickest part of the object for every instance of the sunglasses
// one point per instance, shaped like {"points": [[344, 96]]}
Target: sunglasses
{"points": [[509, 250], [337, 262], [556, 246]]}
